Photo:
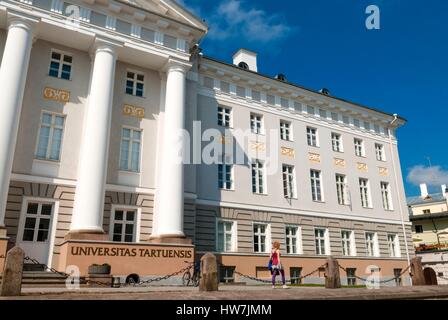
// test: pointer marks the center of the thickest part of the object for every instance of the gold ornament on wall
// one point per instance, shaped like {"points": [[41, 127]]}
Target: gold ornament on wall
{"points": [[57, 95], [288, 152], [314, 157], [133, 111], [339, 162], [258, 146], [362, 167], [383, 171]]}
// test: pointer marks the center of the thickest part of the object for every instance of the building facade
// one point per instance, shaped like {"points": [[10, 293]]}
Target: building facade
{"points": [[96, 97], [429, 216]]}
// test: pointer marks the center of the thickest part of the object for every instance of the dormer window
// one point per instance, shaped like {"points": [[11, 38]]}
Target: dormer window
{"points": [[243, 65]]}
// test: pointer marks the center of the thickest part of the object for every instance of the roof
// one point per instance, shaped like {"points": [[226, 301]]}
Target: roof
{"points": [[303, 88], [429, 216], [416, 200]]}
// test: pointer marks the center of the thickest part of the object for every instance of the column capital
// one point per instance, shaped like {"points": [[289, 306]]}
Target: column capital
{"points": [[21, 20], [177, 66], [105, 45]]}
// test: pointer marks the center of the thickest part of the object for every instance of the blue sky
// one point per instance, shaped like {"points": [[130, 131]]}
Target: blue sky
{"points": [[401, 68]]}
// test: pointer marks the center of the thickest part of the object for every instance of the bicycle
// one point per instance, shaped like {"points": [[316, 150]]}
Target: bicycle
{"points": [[188, 277]]}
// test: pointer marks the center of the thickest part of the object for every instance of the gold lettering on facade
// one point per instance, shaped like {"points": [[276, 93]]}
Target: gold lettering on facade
{"points": [[362, 167], [314, 157], [339, 162], [58, 95], [383, 171], [287, 152], [133, 111], [258, 146]]}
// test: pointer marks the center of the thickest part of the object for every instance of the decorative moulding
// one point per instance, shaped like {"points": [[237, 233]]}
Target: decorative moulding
{"points": [[133, 111], [58, 95]]}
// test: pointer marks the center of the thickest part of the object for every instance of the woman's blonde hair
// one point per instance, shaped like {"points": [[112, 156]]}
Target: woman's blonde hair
{"points": [[276, 245]]}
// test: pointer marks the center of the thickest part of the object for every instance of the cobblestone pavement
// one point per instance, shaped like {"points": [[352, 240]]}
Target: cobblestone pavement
{"points": [[233, 293]]}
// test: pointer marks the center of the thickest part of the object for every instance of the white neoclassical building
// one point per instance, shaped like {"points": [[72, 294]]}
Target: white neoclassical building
{"points": [[94, 94]]}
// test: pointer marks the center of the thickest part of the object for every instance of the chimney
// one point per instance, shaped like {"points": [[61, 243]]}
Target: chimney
{"points": [[246, 59], [424, 190]]}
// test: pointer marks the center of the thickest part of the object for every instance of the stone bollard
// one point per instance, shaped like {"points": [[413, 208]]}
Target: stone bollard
{"points": [[418, 278], [12, 273], [332, 277], [209, 273]]}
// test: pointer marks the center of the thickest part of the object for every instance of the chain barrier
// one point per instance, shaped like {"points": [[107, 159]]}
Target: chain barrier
{"points": [[381, 281], [183, 270], [269, 281]]}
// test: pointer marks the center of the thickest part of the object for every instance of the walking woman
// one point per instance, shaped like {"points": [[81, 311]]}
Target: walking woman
{"points": [[277, 265]]}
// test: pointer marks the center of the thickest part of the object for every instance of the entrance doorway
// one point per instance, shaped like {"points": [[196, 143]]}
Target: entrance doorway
{"points": [[430, 277], [35, 229]]}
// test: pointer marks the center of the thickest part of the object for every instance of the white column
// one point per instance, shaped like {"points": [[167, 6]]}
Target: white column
{"points": [[89, 198], [169, 208], [13, 73]]}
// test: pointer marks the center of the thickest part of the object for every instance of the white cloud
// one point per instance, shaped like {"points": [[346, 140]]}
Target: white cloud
{"points": [[432, 176], [235, 19]]}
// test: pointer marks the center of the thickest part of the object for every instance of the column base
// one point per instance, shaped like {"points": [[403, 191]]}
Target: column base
{"points": [[170, 239], [86, 235]]}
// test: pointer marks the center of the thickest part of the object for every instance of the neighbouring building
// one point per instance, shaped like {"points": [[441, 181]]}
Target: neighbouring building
{"points": [[429, 216], [94, 95]]}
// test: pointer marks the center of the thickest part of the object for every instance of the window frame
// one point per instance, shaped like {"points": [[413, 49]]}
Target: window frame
{"points": [[314, 186], [339, 141], [386, 196], [298, 239], [234, 235], [351, 243], [310, 136], [137, 222], [286, 177], [326, 239], [223, 115], [258, 170], [135, 81], [360, 147], [129, 157], [50, 138], [375, 249], [367, 202], [267, 236], [61, 63], [421, 229], [380, 152], [342, 190], [395, 244], [286, 132], [255, 121]]}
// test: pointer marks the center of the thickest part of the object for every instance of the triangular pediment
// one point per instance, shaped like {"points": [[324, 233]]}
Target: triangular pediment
{"points": [[172, 10]]}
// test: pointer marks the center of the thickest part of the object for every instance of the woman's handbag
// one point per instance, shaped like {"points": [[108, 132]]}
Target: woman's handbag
{"points": [[270, 265]]}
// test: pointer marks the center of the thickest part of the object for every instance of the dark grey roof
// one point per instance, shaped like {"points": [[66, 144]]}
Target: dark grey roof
{"points": [[435, 197]]}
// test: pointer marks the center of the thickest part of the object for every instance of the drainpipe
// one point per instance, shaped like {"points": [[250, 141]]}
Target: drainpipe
{"points": [[398, 191]]}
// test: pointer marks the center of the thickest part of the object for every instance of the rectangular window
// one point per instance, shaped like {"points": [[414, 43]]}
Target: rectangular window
{"points": [[392, 243], [295, 275], [379, 150], [341, 189], [256, 95], [418, 229], [356, 123], [292, 240], [260, 238], [311, 134], [256, 123], [310, 110], [124, 225], [351, 277], [50, 137], [426, 211], [289, 185], [227, 274], [285, 131], [336, 142], [348, 245], [258, 177], [320, 240], [37, 222], [130, 149], [60, 65], [316, 188], [135, 83], [385, 195], [359, 147], [334, 116], [226, 238], [224, 117], [372, 244], [225, 175], [323, 113], [365, 192]]}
